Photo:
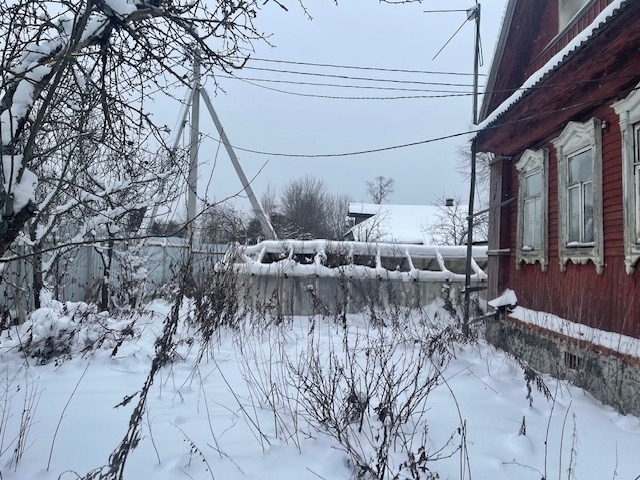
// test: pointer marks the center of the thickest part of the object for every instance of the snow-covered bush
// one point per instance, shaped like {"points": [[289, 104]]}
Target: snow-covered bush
{"points": [[131, 284], [60, 330]]}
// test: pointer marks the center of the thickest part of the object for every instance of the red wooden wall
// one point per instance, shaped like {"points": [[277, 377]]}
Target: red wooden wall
{"points": [[588, 82], [609, 301]]}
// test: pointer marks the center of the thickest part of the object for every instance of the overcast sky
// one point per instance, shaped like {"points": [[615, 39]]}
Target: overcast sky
{"points": [[361, 33]]}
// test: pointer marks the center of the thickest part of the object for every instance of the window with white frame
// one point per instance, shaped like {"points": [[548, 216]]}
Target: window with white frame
{"points": [[628, 111], [580, 198], [532, 236], [532, 208], [579, 155], [567, 9]]}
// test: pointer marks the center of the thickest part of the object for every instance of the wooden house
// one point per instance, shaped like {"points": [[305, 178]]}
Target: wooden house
{"points": [[561, 114]]}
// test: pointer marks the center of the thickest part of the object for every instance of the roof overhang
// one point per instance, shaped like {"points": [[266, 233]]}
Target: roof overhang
{"points": [[579, 78], [497, 57]]}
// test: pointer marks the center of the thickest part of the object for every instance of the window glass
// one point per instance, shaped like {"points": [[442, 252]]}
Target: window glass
{"points": [[580, 167], [533, 184], [532, 235], [532, 228], [574, 214], [587, 236], [532, 238], [579, 149], [537, 223], [529, 230]]}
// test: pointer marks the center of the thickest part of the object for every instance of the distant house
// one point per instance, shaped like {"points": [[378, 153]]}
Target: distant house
{"points": [[409, 224], [562, 117]]}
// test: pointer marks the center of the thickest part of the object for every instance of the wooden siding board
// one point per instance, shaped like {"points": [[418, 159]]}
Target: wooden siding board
{"points": [[580, 294], [525, 53]]}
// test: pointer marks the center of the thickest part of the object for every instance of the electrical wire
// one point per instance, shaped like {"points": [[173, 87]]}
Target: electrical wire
{"points": [[456, 94], [335, 97], [337, 85], [355, 67], [365, 79], [416, 143], [342, 154]]}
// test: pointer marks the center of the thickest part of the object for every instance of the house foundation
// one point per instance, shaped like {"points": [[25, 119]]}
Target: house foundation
{"points": [[610, 376]]}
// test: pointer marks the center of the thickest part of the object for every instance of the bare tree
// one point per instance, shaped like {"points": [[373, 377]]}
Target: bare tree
{"points": [[224, 223], [168, 228], [337, 211], [483, 172], [90, 188], [304, 206], [380, 188], [269, 200], [305, 210], [374, 229], [450, 227], [123, 50]]}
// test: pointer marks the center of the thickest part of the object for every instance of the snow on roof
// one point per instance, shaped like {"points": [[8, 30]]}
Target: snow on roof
{"points": [[538, 76], [395, 223], [328, 258], [357, 208], [507, 16]]}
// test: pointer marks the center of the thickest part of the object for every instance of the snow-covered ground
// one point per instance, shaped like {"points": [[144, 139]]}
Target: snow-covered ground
{"points": [[246, 410]]}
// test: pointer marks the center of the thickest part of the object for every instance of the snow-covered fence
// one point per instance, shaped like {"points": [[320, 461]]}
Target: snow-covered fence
{"points": [[148, 267], [301, 277]]}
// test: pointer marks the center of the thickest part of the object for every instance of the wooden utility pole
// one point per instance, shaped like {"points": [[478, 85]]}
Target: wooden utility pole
{"points": [[472, 13]]}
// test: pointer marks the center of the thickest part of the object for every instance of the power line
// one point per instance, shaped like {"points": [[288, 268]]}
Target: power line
{"points": [[366, 79], [447, 94], [343, 154], [416, 143], [364, 87], [445, 11], [355, 67], [337, 97]]}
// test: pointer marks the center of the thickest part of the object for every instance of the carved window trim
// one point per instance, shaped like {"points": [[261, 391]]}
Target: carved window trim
{"points": [[628, 111], [533, 162], [575, 139]]}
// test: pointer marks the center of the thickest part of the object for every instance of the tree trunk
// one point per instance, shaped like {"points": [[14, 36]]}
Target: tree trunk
{"points": [[38, 279], [104, 291], [10, 226]]}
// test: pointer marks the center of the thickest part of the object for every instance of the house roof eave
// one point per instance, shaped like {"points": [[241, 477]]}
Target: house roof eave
{"points": [[498, 53], [601, 22]]}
